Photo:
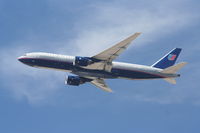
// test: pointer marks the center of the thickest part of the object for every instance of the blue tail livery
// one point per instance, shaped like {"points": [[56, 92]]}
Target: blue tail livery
{"points": [[168, 60]]}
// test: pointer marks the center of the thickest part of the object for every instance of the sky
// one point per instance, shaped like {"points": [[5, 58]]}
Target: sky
{"points": [[37, 100]]}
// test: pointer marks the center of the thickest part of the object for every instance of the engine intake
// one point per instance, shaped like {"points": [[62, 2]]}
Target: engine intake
{"points": [[82, 61]]}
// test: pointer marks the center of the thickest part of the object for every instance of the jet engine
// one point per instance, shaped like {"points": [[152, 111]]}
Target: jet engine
{"points": [[82, 61], [76, 80]]}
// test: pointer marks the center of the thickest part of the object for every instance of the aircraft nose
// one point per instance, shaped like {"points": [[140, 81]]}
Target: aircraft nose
{"points": [[21, 59]]}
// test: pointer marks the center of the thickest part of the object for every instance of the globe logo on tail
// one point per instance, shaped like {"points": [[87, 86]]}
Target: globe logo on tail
{"points": [[171, 57]]}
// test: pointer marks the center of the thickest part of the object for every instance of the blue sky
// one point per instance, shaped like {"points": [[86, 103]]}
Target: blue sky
{"points": [[36, 100]]}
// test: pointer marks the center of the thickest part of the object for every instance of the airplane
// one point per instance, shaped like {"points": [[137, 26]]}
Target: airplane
{"points": [[98, 68]]}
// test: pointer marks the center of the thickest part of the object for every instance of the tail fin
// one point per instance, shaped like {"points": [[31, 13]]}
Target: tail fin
{"points": [[168, 60], [173, 70]]}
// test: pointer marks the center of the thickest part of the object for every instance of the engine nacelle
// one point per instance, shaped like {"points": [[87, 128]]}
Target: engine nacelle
{"points": [[76, 80], [82, 61]]}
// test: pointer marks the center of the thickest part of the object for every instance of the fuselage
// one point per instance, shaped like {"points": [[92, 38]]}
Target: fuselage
{"points": [[66, 63]]}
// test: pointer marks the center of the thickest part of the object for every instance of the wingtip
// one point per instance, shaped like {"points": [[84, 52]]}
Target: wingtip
{"points": [[109, 90], [138, 33], [135, 35]]}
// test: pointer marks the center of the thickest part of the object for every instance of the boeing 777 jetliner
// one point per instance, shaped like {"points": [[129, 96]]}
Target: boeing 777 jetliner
{"points": [[99, 67]]}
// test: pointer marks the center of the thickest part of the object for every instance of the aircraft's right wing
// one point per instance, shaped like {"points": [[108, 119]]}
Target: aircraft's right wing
{"points": [[112, 53], [100, 83], [108, 55]]}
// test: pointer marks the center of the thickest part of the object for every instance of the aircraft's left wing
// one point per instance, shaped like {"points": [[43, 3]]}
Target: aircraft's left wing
{"points": [[100, 83]]}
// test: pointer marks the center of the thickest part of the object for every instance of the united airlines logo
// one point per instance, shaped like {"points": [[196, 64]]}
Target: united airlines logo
{"points": [[171, 57]]}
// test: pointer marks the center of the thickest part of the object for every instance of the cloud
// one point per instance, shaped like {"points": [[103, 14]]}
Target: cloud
{"points": [[104, 24], [110, 22], [24, 82]]}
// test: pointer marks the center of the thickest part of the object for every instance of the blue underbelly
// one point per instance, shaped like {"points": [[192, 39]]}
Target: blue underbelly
{"points": [[133, 74], [115, 73]]}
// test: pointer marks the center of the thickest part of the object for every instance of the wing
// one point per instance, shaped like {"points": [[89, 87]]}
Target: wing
{"points": [[113, 52], [110, 54], [100, 83]]}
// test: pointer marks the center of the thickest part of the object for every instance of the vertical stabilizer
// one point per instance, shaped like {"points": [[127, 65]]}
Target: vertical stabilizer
{"points": [[168, 60]]}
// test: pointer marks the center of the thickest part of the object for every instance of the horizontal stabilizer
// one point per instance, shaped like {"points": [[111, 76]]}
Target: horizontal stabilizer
{"points": [[170, 80], [175, 68]]}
